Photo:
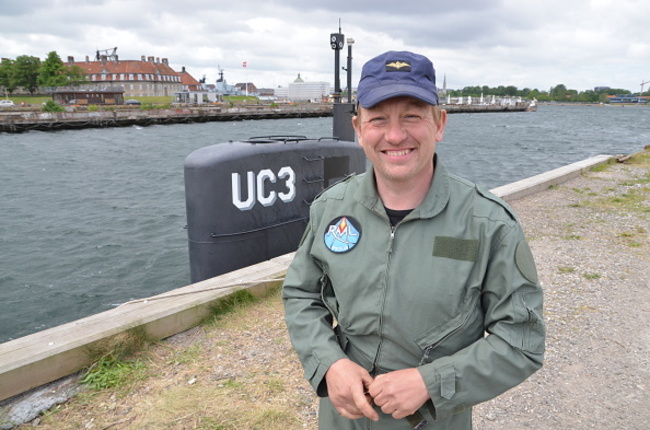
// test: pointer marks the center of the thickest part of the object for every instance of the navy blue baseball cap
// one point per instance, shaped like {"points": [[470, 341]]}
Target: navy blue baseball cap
{"points": [[397, 73]]}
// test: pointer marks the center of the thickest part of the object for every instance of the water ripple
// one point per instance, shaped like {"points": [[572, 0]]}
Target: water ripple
{"points": [[93, 218]]}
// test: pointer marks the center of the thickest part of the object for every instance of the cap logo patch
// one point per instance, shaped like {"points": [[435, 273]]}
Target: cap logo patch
{"points": [[342, 234], [398, 66]]}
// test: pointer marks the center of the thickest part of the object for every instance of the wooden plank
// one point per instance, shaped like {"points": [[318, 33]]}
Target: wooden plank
{"points": [[48, 355], [541, 182]]}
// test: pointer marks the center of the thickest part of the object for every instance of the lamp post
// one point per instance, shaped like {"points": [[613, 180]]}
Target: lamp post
{"points": [[349, 68], [336, 43], [342, 126]]}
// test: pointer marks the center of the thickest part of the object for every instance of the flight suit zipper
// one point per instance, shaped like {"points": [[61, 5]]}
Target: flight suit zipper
{"points": [[374, 371]]}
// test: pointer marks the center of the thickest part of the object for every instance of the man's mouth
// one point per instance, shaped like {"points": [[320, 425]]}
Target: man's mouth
{"points": [[398, 153]]}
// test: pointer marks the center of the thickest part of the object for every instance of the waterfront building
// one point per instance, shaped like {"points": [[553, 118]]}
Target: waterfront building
{"points": [[109, 96], [246, 88], [148, 76], [281, 93], [627, 99], [189, 83], [299, 90]]}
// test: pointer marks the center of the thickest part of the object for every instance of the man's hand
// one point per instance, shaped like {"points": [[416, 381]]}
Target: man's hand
{"points": [[399, 393], [347, 385]]}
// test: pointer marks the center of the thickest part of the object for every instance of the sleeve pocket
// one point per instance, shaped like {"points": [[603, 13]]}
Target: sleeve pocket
{"points": [[447, 381], [528, 331]]}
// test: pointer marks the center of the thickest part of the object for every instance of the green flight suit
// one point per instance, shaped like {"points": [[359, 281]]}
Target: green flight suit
{"points": [[452, 289]]}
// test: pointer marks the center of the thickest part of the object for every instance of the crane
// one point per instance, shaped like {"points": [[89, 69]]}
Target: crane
{"points": [[111, 54], [642, 84]]}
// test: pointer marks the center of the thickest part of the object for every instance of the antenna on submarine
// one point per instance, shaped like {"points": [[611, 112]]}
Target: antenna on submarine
{"points": [[336, 43]]}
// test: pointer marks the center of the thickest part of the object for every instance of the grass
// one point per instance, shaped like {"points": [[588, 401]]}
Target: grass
{"points": [[34, 100], [237, 370], [240, 99], [579, 310], [114, 363], [185, 356], [111, 372], [151, 100], [635, 196], [572, 237], [600, 167]]}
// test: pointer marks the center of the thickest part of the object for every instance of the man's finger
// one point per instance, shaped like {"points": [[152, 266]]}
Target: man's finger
{"points": [[364, 404]]}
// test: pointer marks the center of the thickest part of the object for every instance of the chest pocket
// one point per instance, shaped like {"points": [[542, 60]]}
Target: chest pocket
{"points": [[465, 327]]}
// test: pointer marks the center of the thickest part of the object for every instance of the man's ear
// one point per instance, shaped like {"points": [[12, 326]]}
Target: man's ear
{"points": [[441, 127], [355, 124]]}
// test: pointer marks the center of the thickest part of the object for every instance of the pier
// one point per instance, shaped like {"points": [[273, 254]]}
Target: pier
{"points": [[22, 120]]}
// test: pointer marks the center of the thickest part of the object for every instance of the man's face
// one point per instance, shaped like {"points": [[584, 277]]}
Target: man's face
{"points": [[399, 138]]}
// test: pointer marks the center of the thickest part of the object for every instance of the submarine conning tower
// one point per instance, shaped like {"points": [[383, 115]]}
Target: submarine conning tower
{"points": [[248, 201]]}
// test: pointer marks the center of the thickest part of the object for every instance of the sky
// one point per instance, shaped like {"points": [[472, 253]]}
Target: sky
{"points": [[526, 43]]}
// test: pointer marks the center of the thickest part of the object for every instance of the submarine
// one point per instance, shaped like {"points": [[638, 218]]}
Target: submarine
{"points": [[248, 201]]}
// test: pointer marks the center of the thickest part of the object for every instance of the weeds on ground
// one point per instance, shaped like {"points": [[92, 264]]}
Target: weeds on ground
{"points": [[220, 381], [114, 366], [630, 195], [112, 372]]}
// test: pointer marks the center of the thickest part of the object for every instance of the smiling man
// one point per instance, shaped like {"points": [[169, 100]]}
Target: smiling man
{"points": [[413, 295]]}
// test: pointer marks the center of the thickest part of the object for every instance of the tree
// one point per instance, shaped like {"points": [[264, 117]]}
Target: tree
{"points": [[6, 74], [75, 75], [53, 73], [25, 72], [511, 90], [559, 92]]}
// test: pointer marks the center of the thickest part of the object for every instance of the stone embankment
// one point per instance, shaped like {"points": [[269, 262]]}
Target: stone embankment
{"points": [[20, 119]]}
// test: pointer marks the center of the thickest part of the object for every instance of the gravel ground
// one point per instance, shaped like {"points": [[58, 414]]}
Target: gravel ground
{"points": [[592, 254], [591, 244]]}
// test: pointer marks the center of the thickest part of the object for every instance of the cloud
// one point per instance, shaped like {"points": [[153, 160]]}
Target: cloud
{"points": [[535, 44]]}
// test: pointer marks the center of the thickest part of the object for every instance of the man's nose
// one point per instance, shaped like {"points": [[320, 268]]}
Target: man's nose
{"points": [[395, 133]]}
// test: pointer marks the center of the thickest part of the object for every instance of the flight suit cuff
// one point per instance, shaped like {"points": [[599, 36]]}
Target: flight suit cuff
{"points": [[316, 368], [441, 384]]}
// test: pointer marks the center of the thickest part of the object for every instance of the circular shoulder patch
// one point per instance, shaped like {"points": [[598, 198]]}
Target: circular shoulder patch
{"points": [[526, 262], [342, 234]]}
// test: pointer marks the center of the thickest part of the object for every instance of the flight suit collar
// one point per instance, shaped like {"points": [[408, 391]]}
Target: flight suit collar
{"points": [[434, 202]]}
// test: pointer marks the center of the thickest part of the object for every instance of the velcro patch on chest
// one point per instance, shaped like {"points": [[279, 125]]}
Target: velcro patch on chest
{"points": [[456, 249]]}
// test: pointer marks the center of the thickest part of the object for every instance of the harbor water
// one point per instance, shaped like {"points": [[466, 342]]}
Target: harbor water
{"points": [[93, 218]]}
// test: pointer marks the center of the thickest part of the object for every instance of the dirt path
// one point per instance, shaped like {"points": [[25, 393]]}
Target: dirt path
{"points": [[591, 244]]}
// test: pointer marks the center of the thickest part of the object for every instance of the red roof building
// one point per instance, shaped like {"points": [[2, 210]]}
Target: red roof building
{"points": [[188, 81], [148, 77]]}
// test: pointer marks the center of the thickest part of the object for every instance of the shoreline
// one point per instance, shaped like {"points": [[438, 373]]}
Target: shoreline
{"points": [[19, 121]]}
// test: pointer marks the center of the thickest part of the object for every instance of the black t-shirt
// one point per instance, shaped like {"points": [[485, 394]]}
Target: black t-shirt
{"points": [[396, 216]]}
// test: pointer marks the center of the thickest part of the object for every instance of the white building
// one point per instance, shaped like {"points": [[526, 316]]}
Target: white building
{"points": [[300, 90]]}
